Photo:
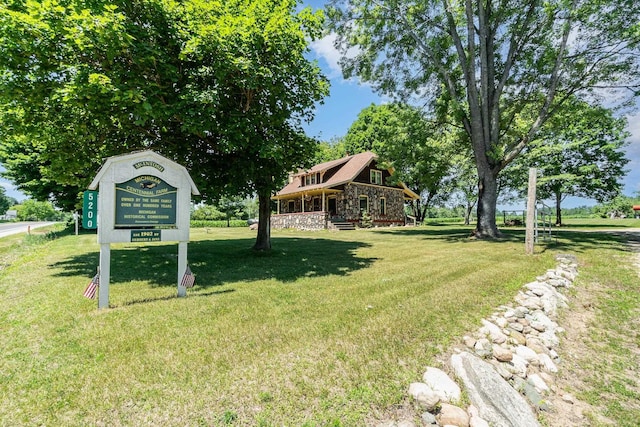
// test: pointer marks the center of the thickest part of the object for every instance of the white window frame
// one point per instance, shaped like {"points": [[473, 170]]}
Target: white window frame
{"points": [[383, 205], [376, 176], [363, 197]]}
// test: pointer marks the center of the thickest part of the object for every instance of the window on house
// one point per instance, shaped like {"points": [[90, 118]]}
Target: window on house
{"points": [[291, 207], [383, 206], [364, 204], [312, 179], [376, 177]]}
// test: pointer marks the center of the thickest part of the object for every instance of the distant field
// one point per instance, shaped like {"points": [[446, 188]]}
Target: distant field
{"points": [[328, 329]]}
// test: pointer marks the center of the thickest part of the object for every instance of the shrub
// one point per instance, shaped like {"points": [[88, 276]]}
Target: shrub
{"points": [[218, 224]]}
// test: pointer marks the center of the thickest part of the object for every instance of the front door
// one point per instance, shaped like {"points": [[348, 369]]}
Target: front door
{"points": [[332, 207]]}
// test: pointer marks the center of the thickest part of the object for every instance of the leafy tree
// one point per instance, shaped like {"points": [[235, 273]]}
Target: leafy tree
{"points": [[579, 152], [619, 207], [207, 213], [33, 210], [502, 68], [5, 201], [220, 87], [330, 150], [466, 186], [420, 151], [232, 207]]}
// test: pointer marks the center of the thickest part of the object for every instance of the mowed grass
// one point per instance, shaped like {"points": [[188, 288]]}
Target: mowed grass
{"points": [[327, 329], [607, 364]]}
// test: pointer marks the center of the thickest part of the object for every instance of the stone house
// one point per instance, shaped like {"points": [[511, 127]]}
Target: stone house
{"points": [[335, 194]]}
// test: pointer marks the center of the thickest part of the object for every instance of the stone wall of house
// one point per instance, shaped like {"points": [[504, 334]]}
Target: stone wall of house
{"points": [[301, 221], [349, 204]]}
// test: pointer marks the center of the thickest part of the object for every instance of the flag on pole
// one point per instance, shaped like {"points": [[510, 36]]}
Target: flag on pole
{"points": [[90, 292], [188, 279]]}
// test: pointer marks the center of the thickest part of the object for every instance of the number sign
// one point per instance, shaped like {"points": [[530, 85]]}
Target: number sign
{"points": [[90, 210]]}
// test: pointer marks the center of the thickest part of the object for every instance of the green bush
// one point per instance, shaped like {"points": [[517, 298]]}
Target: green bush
{"points": [[218, 224], [208, 213]]}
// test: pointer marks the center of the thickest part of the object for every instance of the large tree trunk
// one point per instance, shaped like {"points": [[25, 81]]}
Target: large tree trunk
{"points": [[558, 210], [487, 199], [263, 240]]}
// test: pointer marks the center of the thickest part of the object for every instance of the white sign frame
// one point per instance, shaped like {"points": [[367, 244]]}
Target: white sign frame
{"points": [[119, 169]]}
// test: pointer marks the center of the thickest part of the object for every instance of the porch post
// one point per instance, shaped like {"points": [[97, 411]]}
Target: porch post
{"points": [[278, 209], [323, 209], [302, 197]]}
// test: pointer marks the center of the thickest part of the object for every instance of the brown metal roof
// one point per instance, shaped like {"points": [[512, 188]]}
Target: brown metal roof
{"points": [[350, 168]]}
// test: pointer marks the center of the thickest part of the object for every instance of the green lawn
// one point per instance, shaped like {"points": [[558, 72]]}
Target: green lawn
{"points": [[327, 329]]}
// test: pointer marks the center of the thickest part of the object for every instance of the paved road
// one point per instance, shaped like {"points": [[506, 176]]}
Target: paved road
{"points": [[9, 228]]}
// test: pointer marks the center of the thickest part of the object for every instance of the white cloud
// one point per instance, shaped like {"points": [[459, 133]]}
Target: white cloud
{"points": [[325, 49], [634, 126]]}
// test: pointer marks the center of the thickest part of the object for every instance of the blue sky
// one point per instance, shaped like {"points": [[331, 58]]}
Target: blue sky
{"points": [[347, 98]]}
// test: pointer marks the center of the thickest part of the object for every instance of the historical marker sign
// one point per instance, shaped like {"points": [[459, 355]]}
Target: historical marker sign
{"points": [[143, 197], [145, 201]]}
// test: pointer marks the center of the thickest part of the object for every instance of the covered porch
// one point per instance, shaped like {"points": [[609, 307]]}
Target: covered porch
{"points": [[310, 210]]}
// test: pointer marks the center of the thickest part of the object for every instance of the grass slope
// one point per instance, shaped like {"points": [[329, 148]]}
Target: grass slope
{"points": [[327, 329]]}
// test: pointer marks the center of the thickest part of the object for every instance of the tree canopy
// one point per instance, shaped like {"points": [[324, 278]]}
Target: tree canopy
{"points": [[579, 152], [219, 86], [5, 201], [501, 68]]}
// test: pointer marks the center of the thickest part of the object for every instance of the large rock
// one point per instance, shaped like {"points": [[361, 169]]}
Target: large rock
{"points": [[494, 332], [483, 347], [499, 404], [452, 416], [441, 385], [424, 395]]}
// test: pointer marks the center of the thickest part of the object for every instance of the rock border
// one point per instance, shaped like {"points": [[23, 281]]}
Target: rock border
{"points": [[507, 366]]}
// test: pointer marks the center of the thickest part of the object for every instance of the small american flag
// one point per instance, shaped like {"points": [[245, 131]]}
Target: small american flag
{"points": [[90, 292], [188, 279]]}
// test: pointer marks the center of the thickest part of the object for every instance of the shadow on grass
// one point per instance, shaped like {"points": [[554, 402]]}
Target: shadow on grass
{"points": [[561, 239], [594, 226], [217, 262], [171, 297], [454, 234], [582, 241]]}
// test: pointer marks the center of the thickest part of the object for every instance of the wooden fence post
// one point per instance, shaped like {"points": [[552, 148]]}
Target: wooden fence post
{"points": [[531, 212]]}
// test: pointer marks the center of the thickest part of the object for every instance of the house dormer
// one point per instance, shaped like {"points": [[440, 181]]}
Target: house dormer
{"points": [[310, 179]]}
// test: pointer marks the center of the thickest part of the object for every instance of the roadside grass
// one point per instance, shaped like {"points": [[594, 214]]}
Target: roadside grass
{"points": [[14, 246], [326, 329]]}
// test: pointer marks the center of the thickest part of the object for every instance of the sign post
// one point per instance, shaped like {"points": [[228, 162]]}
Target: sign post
{"points": [[143, 197]]}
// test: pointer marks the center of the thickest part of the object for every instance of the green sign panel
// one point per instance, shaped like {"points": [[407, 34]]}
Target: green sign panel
{"points": [[90, 210], [145, 201], [146, 236]]}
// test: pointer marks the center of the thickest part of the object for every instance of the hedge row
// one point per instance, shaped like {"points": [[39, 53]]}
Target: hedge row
{"points": [[218, 224]]}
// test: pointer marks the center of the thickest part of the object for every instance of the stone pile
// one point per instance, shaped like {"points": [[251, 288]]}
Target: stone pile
{"points": [[507, 367]]}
